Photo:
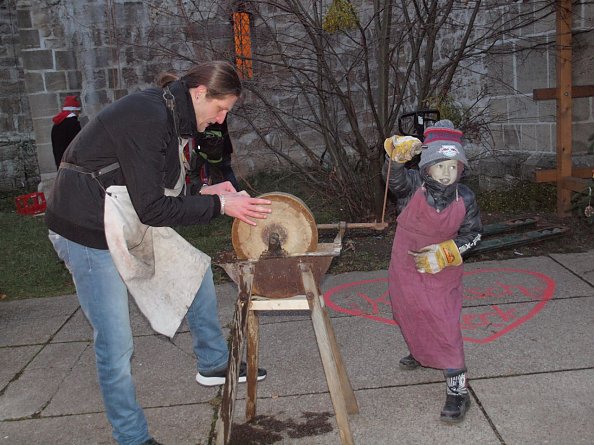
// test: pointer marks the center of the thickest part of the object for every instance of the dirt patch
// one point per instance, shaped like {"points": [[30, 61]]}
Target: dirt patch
{"points": [[270, 430]]}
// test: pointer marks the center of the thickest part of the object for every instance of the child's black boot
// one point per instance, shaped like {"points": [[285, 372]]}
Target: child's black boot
{"points": [[457, 398], [408, 363]]}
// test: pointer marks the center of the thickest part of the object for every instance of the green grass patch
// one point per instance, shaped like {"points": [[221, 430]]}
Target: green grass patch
{"points": [[29, 266]]}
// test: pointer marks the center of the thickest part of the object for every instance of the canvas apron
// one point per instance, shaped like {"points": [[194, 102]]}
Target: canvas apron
{"points": [[162, 270], [427, 306]]}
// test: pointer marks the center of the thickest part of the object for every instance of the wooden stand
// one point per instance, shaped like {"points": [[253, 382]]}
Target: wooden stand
{"points": [[245, 322], [568, 178]]}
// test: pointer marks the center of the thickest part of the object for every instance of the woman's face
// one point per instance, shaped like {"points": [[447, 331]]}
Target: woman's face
{"points": [[208, 110], [444, 172]]}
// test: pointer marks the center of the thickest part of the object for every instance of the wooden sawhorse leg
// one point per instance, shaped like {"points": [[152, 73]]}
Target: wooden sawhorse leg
{"points": [[238, 332], [339, 385], [246, 322]]}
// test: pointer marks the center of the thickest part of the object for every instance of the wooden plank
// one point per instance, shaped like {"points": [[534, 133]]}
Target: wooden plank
{"points": [[551, 93], [345, 383], [327, 355], [574, 184], [253, 340], [238, 331], [550, 175], [564, 104], [297, 303]]}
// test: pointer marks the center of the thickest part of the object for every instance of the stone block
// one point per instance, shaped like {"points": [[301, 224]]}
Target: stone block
{"points": [[130, 77], [547, 110], [113, 78], [43, 130], [531, 67], [497, 166], [500, 66], [65, 60], [582, 108], [6, 124], [95, 100], [118, 94], [44, 104], [536, 161], [497, 135], [527, 137], [98, 80], [545, 21], [74, 80], [55, 80], [23, 18], [23, 122], [587, 16], [583, 138], [41, 59], [34, 82], [29, 38], [104, 56], [522, 109], [544, 138], [45, 156], [10, 105], [511, 137]]}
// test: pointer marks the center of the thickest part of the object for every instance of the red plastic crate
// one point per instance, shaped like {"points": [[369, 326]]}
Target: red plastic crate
{"points": [[31, 204]]}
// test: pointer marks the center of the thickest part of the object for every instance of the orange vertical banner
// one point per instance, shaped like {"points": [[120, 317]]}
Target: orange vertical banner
{"points": [[243, 44]]}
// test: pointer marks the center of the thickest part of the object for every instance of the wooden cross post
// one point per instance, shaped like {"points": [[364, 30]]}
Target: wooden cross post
{"points": [[567, 177]]}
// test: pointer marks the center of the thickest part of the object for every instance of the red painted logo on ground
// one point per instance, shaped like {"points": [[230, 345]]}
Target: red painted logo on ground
{"points": [[496, 301]]}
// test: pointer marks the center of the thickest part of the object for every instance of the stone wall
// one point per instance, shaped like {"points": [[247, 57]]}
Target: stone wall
{"points": [[18, 160], [524, 130], [97, 49]]}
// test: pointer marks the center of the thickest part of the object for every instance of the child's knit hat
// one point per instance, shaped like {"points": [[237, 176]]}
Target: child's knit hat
{"points": [[443, 143], [442, 130]]}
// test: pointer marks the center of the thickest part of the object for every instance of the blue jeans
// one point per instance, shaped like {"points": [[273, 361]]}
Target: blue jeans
{"points": [[103, 298]]}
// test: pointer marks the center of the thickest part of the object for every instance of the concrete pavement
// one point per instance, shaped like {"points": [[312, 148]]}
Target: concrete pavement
{"points": [[529, 336]]}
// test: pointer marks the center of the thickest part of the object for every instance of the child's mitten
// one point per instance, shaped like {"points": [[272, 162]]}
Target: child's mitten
{"points": [[435, 257], [402, 148]]}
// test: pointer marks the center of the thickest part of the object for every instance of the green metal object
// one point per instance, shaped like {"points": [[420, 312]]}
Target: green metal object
{"points": [[518, 239], [508, 226]]}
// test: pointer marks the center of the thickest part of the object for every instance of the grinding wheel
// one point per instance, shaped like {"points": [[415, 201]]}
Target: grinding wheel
{"points": [[290, 219]]}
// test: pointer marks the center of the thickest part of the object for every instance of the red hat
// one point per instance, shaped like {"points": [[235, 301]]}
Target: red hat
{"points": [[71, 104]]}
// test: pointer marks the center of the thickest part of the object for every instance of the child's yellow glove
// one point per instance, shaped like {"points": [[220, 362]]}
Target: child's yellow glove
{"points": [[433, 258], [402, 148]]}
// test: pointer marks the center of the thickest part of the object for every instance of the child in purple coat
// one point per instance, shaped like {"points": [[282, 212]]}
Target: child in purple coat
{"points": [[438, 223]]}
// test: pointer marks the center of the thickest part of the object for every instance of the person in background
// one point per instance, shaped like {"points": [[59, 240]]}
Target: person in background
{"points": [[212, 149], [438, 223], [66, 127], [118, 193]]}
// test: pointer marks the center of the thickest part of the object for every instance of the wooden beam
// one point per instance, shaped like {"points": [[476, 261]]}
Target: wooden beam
{"points": [[564, 104], [574, 184], [551, 93], [550, 175]]}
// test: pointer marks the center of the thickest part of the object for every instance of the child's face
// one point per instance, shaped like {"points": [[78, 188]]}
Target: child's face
{"points": [[445, 172]]}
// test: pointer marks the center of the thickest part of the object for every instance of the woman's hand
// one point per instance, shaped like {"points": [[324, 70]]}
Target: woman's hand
{"points": [[241, 206], [218, 189]]}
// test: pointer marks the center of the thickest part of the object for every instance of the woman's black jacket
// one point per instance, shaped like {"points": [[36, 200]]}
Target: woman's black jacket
{"points": [[138, 132]]}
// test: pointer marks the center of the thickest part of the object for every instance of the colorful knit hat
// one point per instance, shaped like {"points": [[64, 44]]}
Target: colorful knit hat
{"points": [[443, 143], [442, 130], [71, 104]]}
